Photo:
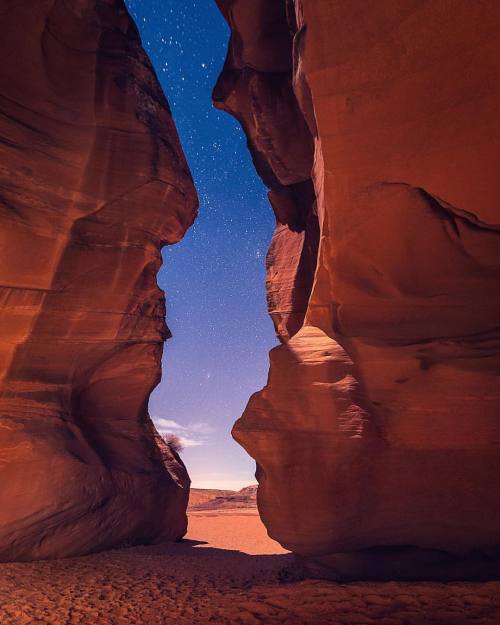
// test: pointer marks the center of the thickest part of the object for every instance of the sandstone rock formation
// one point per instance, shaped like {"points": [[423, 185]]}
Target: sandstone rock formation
{"points": [[208, 499], [377, 437], [93, 182], [202, 496]]}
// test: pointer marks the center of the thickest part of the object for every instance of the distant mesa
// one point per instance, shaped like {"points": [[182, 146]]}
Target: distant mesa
{"points": [[210, 499]]}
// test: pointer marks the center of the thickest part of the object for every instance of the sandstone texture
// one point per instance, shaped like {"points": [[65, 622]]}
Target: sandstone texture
{"points": [[375, 125], [201, 496], [195, 583], [93, 183]]}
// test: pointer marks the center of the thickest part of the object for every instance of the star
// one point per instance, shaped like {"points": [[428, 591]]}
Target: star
{"points": [[215, 278]]}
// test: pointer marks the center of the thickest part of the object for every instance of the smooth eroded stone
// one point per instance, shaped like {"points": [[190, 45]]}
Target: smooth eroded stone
{"points": [[93, 183], [377, 437]]}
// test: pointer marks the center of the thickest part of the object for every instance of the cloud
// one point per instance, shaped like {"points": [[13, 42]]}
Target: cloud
{"points": [[191, 442], [167, 424], [191, 435]]}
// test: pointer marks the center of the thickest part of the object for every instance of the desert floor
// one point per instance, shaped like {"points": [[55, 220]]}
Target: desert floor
{"points": [[228, 572]]}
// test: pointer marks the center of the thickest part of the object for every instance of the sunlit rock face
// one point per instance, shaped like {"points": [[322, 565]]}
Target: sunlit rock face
{"points": [[93, 182], [377, 437]]}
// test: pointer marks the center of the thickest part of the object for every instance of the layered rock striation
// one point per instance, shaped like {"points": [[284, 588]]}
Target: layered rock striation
{"points": [[377, 437], [93, 183]]}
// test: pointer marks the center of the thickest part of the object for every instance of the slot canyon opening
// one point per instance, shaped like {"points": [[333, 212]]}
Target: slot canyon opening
{"points": [[376, 433], [267, 85], [254, 241], [214, 279]]}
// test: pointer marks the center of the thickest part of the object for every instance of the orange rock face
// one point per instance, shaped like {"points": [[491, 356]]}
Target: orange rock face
{"points": [[93, 182], [377, 435]]}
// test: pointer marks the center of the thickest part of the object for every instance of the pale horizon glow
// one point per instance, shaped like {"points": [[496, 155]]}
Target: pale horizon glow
{"points": [[220, 484]]}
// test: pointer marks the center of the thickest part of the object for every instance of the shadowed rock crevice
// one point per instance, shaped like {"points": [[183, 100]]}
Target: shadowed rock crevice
{"points": [[257, 88]]}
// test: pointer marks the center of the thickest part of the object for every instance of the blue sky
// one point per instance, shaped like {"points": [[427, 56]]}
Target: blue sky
{"points": [[215, 278]]}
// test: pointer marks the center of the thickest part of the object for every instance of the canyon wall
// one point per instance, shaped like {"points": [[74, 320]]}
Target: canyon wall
{"points": [[375, 126], [93, 183]]}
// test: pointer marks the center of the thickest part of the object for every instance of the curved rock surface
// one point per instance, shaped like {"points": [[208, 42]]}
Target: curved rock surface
{"points": [[377, 437], [93, 182], [256, 87]]}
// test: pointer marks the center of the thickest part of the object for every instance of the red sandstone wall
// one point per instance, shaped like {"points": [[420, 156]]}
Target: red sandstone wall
{"points": [[93, 182], [376, 437]]}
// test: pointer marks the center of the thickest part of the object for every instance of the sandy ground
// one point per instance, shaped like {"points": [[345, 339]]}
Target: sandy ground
{"points": [[240, 530], [225, 574]]}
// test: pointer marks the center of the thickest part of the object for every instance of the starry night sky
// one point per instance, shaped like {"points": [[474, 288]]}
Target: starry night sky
{"points": [[215, 278]]}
